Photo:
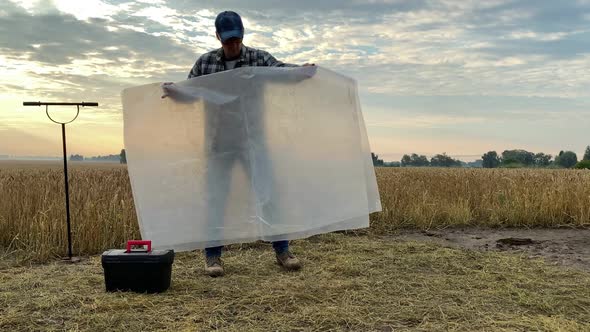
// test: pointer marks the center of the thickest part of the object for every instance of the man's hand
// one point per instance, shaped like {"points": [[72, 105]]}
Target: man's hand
{"points": [[165, 90]]}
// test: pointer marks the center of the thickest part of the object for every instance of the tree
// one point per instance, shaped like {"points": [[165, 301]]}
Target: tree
{"points": [[76, 157], [123, 157], [587, 153], [522, 157], [376, 160], [108, 158], [419, 160], [442, 160], [566, 159], [406, 161], [542, 160], [490, 159], [414, 160]]}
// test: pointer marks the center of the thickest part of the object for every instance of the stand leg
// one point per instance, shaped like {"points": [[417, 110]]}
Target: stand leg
{"points": [[63, 135]]}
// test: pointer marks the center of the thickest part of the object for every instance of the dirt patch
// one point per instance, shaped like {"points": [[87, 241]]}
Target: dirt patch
{"points": [[565, 247]]}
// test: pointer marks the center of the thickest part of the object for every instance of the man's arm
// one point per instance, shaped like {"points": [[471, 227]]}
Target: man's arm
{"points": [[196, 70], [271, 61]]}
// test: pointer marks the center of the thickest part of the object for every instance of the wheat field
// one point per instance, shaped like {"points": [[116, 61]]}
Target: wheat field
{"points": [[432, 198], [32, 209]]}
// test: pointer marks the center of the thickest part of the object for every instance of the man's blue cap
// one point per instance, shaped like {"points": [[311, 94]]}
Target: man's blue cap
{"points": [[229, 25]]}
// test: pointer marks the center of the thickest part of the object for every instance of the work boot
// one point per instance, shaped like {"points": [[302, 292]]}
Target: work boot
{"points": [[288, 261], [214, 267]]}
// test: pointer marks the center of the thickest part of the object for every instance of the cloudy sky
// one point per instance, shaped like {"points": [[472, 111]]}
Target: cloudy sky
{"points": [[461, 77]]}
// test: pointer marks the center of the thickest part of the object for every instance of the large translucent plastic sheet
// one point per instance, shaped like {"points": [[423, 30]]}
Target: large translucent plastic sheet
{"points": [[254, 153]]}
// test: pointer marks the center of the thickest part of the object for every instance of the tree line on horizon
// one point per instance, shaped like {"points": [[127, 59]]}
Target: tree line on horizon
{"points": [[507, 159], [121, 157]]}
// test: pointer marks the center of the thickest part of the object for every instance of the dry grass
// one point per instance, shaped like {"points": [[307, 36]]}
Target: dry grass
{"points": [[347, 284], [433, 198], [32, 211], [32, 222], [56, 164]]}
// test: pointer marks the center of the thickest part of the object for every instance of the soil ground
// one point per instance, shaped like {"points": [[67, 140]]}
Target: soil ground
{"points": [[560, 247]]}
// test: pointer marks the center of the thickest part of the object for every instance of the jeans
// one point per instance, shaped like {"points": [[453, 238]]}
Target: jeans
{"points": [[279, 247]]}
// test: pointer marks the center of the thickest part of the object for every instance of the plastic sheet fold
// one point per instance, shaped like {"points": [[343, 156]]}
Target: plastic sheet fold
{"points": [[254, 153]]}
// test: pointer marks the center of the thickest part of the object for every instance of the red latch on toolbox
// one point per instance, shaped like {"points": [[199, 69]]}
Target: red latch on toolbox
{"points": [[147, 243]]}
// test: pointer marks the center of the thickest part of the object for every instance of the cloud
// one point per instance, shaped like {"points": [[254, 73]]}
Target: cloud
{"points": [[293, 7], [407, 46], [456, 61]]}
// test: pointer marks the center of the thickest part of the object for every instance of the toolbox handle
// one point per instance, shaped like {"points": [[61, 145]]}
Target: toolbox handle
{"points": [[147, 243]]}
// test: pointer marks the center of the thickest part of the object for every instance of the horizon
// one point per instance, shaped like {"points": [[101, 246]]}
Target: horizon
{"points": [[457, 157], [440, 76]]}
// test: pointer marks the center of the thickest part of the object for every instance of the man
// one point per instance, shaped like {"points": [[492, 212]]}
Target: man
{"points": [[233, 54]]}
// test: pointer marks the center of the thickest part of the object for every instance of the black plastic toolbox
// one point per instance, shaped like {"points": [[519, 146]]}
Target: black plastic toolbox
{"points": [[139, 271]]}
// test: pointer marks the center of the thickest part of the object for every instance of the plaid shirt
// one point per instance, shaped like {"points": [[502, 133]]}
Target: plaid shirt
{"points": [[214, 62]]}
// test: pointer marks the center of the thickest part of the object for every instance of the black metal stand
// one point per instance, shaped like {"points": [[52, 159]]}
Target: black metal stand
{"points": [[66, 182]]}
